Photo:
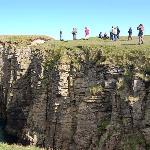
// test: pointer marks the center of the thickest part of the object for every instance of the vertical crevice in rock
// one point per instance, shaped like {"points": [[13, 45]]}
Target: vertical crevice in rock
{"points": [[73, 105], [146, 98], [6, 69], [47, 98], [2, 104], [52, 109]]}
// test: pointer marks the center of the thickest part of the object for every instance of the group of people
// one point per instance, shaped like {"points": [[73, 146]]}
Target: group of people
{"points": [[86, 31], [74, 33], [140, 34], [101, 36], [114, 33]]}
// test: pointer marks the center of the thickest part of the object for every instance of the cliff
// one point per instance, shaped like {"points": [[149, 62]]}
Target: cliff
{"points": [[76, 97]]}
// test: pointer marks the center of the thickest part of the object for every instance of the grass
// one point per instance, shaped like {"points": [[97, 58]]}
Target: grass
{"points": [[121, 52], [95, 89], [123, 42], [23, 39], [16, 147]]}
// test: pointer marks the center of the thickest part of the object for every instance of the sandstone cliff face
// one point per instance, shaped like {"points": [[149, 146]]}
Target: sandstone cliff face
{"points": [[71, 107]]}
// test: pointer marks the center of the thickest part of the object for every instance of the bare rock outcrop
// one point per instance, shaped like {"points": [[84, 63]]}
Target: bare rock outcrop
{"points": [[67, 108]]}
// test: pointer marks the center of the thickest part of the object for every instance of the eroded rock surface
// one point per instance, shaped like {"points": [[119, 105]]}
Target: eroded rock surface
{"points": [[66, 108]]}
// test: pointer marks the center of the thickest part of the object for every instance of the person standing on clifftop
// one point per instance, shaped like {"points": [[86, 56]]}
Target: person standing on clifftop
{"points": [[140, 34], [61, 35], [114, 31], [87, 33], [130, 34], [118, 32], [74, 33]]}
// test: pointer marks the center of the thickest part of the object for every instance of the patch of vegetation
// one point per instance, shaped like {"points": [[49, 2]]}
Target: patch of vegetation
{"points": [[120, 84], [16, 147], [122, 53], [103, 125], [96, 89], [128, 76], [132, 58], [52, 57], [23, 39], [132, 141], [147, 147]]}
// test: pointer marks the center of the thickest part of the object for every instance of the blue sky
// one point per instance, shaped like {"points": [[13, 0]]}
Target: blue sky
{"points": [[49, 16]]}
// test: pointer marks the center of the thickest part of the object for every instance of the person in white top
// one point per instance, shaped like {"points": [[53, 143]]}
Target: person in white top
{"points": [[114, 31]]}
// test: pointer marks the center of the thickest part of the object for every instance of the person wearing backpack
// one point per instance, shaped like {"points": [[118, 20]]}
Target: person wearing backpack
{"points": [[130, 34], [140, 34]]}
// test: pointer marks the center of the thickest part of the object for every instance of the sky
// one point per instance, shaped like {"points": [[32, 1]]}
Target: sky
{"points": [[48, 17]]}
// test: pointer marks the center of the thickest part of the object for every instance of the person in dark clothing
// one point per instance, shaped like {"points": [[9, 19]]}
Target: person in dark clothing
{"points": [[61, 35], [100, 35], [105, 36], [118, 32], [74, 33], [130, 34], [140, 34], [111, 35]]}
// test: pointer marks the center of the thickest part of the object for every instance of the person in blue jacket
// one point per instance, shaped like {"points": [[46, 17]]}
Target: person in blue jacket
{"points": [[130, 34]]}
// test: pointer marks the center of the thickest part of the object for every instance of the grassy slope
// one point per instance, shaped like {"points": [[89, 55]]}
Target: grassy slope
{"points": [[16, 147], [121, 46], [121, 42], [121, 52], [25, 39]]}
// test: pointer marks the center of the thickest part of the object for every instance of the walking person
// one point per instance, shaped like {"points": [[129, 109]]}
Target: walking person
{"points": [[130, 34], [74, 33], [118, 32], [87, 33], [140, 34]]}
